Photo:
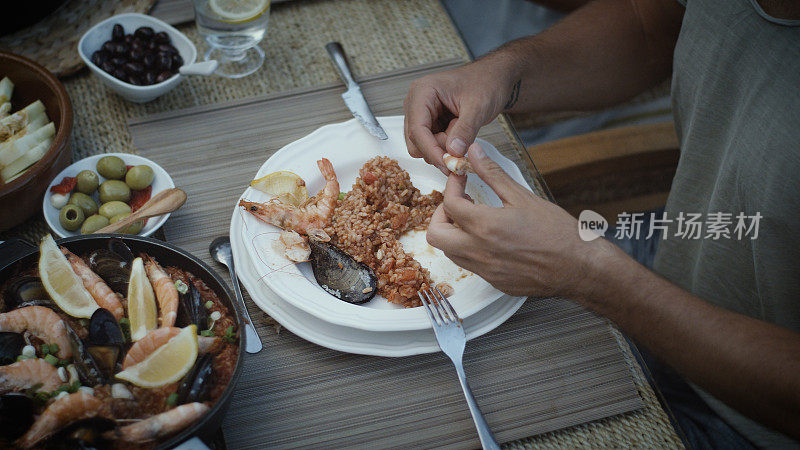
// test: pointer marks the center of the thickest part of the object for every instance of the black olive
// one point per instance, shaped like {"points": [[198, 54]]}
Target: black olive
{"points": [[161, 37], [128, 38], [107, 66], [121, 49], [152, 46], [133, 79], [165, 61], [120, 74], [133, 68], [137, 44], [144, 33], [163, 76], [109, 46], [99, 57], [135, 55], [149, 78], [167, 48], [117, 33], [149, 60], [177, 61], [118, 61]]}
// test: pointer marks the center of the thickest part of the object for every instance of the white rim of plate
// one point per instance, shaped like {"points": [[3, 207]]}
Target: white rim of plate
{"points": [[153, 224], [317, 302], [353, 340]]}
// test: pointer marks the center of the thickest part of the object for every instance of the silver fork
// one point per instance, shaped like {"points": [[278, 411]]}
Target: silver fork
{"points": [[451, 338]]}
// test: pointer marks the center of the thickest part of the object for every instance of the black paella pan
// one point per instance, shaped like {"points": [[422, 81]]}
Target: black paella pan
{"points": [[16, 254]]}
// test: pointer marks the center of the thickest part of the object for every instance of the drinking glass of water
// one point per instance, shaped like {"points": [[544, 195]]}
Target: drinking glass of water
{"points": [[233, 29]]}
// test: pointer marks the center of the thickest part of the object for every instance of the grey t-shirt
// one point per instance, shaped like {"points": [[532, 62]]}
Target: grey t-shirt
{"points": [[736, 101]]}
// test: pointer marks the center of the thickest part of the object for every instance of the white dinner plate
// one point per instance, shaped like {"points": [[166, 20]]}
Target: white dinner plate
{"points": [[354, 340], [161, 181], [348, 146]]}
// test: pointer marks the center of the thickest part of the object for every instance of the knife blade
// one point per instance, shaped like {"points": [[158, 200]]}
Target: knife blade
{"points": [[353, 98]]}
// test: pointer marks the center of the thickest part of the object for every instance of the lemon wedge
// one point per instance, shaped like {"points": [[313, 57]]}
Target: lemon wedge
{"points": [[167, 364], [60, 281], [141, 302], [238, 11], [285, 186]]}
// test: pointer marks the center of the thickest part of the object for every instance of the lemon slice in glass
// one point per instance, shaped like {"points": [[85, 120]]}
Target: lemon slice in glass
{"points": [[167, 364], [141, 302], [285, 186], [61, 283], [238, 11]]}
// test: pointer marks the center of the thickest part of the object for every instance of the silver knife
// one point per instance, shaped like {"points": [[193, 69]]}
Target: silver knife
{"points": [[353, 97]]}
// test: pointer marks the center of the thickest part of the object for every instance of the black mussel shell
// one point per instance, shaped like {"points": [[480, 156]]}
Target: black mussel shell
{"points": [[196, 385], [10, 347], [83, 435], [340, 275], [89, 370], [112, 268], [104, 329], [24, 289], [16, 415], [192, 309]]}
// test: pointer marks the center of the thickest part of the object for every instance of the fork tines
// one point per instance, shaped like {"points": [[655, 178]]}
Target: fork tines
{"points": [[434, 300]]}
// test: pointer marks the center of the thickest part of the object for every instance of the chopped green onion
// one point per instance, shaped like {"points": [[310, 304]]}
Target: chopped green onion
{"points": [[84, 322], [181, 286], [54, 348], [24, 357], [209, 304], [172, 399], [124, 321], [63, 363], [45, 349], [207, 333], [229, 335], [51, 359], [74, 387], [342, 195]]}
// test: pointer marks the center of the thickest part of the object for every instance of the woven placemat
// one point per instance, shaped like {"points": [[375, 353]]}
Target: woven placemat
{"points": [[379, 35], [53, 41]]}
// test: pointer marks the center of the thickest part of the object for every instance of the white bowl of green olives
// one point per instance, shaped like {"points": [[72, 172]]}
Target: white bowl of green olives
{"points": [[102, 189]]}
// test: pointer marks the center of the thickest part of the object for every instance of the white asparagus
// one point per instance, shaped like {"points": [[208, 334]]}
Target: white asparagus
{"points": [[12, 124], [5, 109], [6, 90], [28, 159], [13, 150]]}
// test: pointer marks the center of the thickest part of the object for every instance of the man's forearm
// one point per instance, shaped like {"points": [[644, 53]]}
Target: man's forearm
{"points": [[602, 54], [751, 365]]}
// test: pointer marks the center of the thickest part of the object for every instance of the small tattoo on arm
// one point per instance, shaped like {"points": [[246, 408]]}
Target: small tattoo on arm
{"points": [[514, 95]]}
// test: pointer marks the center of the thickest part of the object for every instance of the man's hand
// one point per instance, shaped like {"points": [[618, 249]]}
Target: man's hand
{"points": [[528, 247], [444, 111]]}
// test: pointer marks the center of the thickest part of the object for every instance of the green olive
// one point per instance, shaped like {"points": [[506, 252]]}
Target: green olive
{"points": [[87, 182], [71, 217], [112, 190], [133, 228], [139, 177], [93, 223], [86, 203], [111, 167], [114, 208]]}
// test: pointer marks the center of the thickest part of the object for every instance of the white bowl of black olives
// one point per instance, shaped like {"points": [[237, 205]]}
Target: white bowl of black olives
{"points": [[137, 56], [102, 189]]}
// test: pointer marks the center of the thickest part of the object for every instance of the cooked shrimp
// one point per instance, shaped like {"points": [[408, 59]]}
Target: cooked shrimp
{"points": [[142, 348], [101, 293], [166, 292], [309, 218], [43, 323], [293, 246], [62, 412], [209, 344], [25, 374], [160, 425], [458, 166]]}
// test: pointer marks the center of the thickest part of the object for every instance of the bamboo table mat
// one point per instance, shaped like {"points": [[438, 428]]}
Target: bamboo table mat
{"points": [[552, 365]]}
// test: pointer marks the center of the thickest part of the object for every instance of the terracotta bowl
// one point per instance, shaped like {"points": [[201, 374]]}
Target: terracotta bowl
{"points": [[22, 198]]}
